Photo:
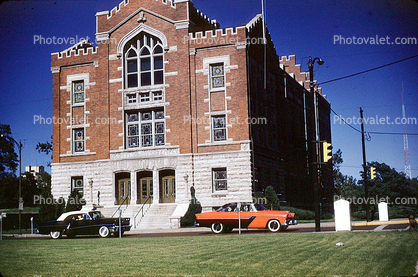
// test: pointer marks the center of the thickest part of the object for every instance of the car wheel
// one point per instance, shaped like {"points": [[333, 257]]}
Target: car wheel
{"points": [[104, 232], [217, 228], [55, 234], [273, 225]]}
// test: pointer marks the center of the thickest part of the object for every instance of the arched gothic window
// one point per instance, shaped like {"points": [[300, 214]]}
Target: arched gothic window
{"points": [[144, 61]]}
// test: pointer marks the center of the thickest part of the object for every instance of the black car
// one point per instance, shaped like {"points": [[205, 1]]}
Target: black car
{"points": [[82, 223]]}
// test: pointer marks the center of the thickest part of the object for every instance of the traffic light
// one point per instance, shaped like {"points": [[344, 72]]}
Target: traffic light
{"points": [[327, 151], [372, 172]]}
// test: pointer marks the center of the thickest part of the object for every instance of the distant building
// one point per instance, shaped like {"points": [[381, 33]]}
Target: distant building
{"points": [[168, 100], [35, 170]]}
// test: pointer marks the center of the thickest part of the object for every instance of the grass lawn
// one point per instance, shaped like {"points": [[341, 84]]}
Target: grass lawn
{"points": [[282, 254]]}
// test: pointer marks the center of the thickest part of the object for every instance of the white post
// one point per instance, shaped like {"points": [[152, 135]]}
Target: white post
{"points": [[120, 223], [31, 225], [383, 211], [342, 215], [239, 218]]}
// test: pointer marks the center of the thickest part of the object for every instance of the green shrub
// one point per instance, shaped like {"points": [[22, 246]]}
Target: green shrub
{"points": [[75, 202], [189, 218], [300, 214], [272, 199], [401, 211]]}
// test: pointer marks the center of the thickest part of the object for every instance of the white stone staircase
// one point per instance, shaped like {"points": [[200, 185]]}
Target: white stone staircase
{"points": [[157, 217]]}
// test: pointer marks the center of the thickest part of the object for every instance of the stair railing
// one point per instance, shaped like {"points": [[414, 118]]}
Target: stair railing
{"points": [[142, 210], [122, 205]]}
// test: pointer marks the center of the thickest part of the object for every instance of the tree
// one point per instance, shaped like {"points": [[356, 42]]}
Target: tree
{"points": [[75, 201], [29, 189], [8, 164], [9, 187], [45, 147], [8, 157], [400, 192], [189, 218], [272, 199], [345, 186]]}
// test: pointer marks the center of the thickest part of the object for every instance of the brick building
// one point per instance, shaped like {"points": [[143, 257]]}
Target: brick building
{"points": [[169, 100]]}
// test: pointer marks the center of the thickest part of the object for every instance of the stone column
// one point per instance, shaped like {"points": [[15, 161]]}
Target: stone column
{"points": [[156, 187]]}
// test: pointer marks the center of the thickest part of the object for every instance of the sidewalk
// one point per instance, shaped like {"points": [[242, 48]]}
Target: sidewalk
{"points": [[379, 226]]}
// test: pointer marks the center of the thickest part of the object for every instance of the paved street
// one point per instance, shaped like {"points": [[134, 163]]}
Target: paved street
{"points": [[398, 224]]}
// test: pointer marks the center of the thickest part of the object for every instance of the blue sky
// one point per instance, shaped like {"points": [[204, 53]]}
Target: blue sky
{"points": [[301, 28]]}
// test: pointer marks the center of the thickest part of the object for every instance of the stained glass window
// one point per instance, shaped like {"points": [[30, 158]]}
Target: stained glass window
{"points": [[78, 140], [145, 129], [78, 92], [219, 128], [217, 76], [219, 179]]}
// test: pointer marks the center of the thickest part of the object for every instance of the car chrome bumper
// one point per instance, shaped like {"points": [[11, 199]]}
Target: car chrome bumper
{"points": [[115, 229], [291, 222]]}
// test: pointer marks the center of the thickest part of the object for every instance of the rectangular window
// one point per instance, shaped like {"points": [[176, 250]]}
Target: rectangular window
{"points": [[166, 188], [219, 179], [157, 95], [219, 128], [131, 98], [145, 97], [77, 185], [78, 140], [217, 76], [145, 129], [78, 92], [173, 187]]}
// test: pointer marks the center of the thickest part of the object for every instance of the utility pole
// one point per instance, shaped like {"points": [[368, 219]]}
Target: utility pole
{"points": [[317, 163], [365, 181]]}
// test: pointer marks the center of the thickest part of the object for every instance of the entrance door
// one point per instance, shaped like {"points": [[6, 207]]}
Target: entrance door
{"points": [[124, 189], [145, 189], [169, 189]]}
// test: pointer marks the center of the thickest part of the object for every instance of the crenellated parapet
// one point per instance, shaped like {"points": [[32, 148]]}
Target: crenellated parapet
{"points": [[258, 19], [226, 36], [289, 65], [77, 53], [118, 8], [213, 23]]}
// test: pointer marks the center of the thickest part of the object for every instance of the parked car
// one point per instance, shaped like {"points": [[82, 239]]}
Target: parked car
{"points": [[253, 215], [83, 223]]}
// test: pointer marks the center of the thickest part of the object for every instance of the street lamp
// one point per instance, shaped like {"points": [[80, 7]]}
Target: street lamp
{"points": [[91, 190], [19, 145], [317, 153]]}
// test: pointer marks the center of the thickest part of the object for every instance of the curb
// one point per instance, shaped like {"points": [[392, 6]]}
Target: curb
{"points": [[377, 223]]}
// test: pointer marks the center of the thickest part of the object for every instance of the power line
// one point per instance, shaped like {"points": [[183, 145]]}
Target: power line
{"points": [[355, 74], [345, 122], [386, 133], [374, 133]]}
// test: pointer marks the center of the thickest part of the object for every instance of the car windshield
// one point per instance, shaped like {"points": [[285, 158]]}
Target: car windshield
{"points": [[245, 207]]}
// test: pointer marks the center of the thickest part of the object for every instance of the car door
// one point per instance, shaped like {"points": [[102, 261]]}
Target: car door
{"points": [[81, 225], [247, 215]]}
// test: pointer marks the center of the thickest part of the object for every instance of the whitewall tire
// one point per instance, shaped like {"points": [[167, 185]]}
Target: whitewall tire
{"points": [[217, 227], [104, 232], [273, 225], [55, 234]]}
